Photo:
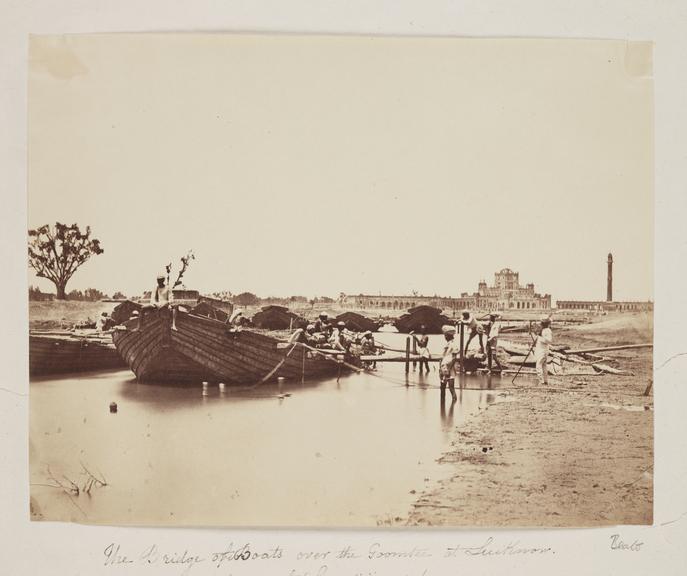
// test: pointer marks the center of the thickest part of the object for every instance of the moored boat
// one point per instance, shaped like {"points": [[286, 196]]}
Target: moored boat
{"points": [[59, 352], [428, 316], [206, 349], [358, 322]]}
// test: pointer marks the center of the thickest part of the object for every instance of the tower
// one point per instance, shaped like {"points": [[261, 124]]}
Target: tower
{"points": [[609, 282]]}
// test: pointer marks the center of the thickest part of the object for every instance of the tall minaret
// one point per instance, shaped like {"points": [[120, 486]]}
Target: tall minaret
{"points": [[609, 285]]}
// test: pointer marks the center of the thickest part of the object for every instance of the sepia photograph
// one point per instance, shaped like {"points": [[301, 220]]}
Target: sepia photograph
{"points": [[340, 281]]}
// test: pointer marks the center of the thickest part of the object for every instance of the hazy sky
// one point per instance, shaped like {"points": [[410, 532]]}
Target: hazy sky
{"points": [[318, 165]]}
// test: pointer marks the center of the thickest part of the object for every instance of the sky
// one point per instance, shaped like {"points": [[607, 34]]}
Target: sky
{"points": [[319, 165]]}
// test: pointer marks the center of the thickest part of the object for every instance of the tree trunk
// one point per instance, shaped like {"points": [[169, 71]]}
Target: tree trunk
{"points": [[61, 291]]}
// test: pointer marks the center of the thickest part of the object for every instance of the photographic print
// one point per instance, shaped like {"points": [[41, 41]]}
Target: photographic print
{"points": [[340, 281]]}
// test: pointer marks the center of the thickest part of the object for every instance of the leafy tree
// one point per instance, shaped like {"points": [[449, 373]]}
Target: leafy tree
{"points": [[75, 295], [297, 299], [93, 295], [56, 252], [36, 294], [246, 299], [119, 295]]}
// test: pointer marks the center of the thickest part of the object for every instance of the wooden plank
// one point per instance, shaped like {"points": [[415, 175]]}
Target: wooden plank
{"points": [[609, 348]]}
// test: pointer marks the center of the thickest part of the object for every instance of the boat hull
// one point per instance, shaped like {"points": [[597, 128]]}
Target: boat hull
{"points": [[60, 354], [204, 349]]}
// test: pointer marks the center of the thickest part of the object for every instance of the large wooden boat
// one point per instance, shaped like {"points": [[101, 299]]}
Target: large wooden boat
{"points": [[55, 352], [206, 349]]}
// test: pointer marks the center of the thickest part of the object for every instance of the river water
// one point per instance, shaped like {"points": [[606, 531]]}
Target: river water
{"points": [[346, 453]]}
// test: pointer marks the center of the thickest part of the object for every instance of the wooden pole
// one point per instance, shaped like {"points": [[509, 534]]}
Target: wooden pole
{"points": [[414, 352], [407, 354], [462, 339], [303, 367], [607, 348]]}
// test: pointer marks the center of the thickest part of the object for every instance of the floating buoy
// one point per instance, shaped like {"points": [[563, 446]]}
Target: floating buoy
{"points": [[113, 407]]}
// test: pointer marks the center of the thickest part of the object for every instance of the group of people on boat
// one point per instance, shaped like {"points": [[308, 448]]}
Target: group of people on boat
{"points": [[324, 333]]}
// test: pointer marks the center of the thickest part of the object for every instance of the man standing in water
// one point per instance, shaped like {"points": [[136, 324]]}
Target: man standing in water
{"points": [[162, 296], [493, 330], [449, 359], [422, 343], [541, 350]]}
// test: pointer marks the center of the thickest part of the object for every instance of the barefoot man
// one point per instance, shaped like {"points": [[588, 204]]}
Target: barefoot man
{"points": [[541, 350], [493, 330], [449, 359], [422, 343], [476, 329]]}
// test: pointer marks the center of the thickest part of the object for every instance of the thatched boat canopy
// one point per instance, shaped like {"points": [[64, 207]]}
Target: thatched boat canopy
{"points": [[122, 312], [277, 318], [428, 316], [358, 322]]}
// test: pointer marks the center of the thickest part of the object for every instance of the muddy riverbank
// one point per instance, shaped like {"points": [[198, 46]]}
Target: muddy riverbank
{"points": [[577, 453]]}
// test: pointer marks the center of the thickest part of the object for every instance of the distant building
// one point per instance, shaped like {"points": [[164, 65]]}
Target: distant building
{"points": [[604, 306], [505, 294], [387, 302], [608, 305]]}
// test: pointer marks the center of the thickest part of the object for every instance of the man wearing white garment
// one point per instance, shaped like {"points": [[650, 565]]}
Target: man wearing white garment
{"points": [[541, 350]]}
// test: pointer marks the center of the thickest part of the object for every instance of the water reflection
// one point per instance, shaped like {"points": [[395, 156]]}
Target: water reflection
{"points": [[344, 451], [447, 418]]}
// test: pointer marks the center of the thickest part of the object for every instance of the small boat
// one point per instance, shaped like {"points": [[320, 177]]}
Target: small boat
{"points": [[207, 349], [57, 352]]}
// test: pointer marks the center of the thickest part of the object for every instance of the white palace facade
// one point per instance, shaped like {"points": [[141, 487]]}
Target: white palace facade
{"points": [[505, 294]]}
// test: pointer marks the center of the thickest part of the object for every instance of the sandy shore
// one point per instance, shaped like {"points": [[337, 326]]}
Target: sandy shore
{"points": [[578, 453]]}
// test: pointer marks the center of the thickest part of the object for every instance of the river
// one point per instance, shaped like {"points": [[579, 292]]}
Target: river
{"points": [[352, 452]]}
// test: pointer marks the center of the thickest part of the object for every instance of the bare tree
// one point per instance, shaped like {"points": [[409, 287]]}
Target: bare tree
{"points": [[56, 252]]}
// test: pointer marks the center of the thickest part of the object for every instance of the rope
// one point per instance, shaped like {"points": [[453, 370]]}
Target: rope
{"points": [[329, 357], [279, 365]]}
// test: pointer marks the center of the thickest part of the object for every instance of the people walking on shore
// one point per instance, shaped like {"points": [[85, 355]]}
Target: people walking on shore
{"points": [[449, 359], [541, 350]]}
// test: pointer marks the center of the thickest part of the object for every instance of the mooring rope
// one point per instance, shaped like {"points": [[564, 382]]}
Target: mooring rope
{"points": [[279, 365]]}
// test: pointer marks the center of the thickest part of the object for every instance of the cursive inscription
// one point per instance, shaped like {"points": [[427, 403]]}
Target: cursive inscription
{"points": [[618, 544], [489, 548], [114, 556], [344, 559]]}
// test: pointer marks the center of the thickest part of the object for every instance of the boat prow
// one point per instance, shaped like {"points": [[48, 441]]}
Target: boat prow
{"points": [[205, 349]]}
